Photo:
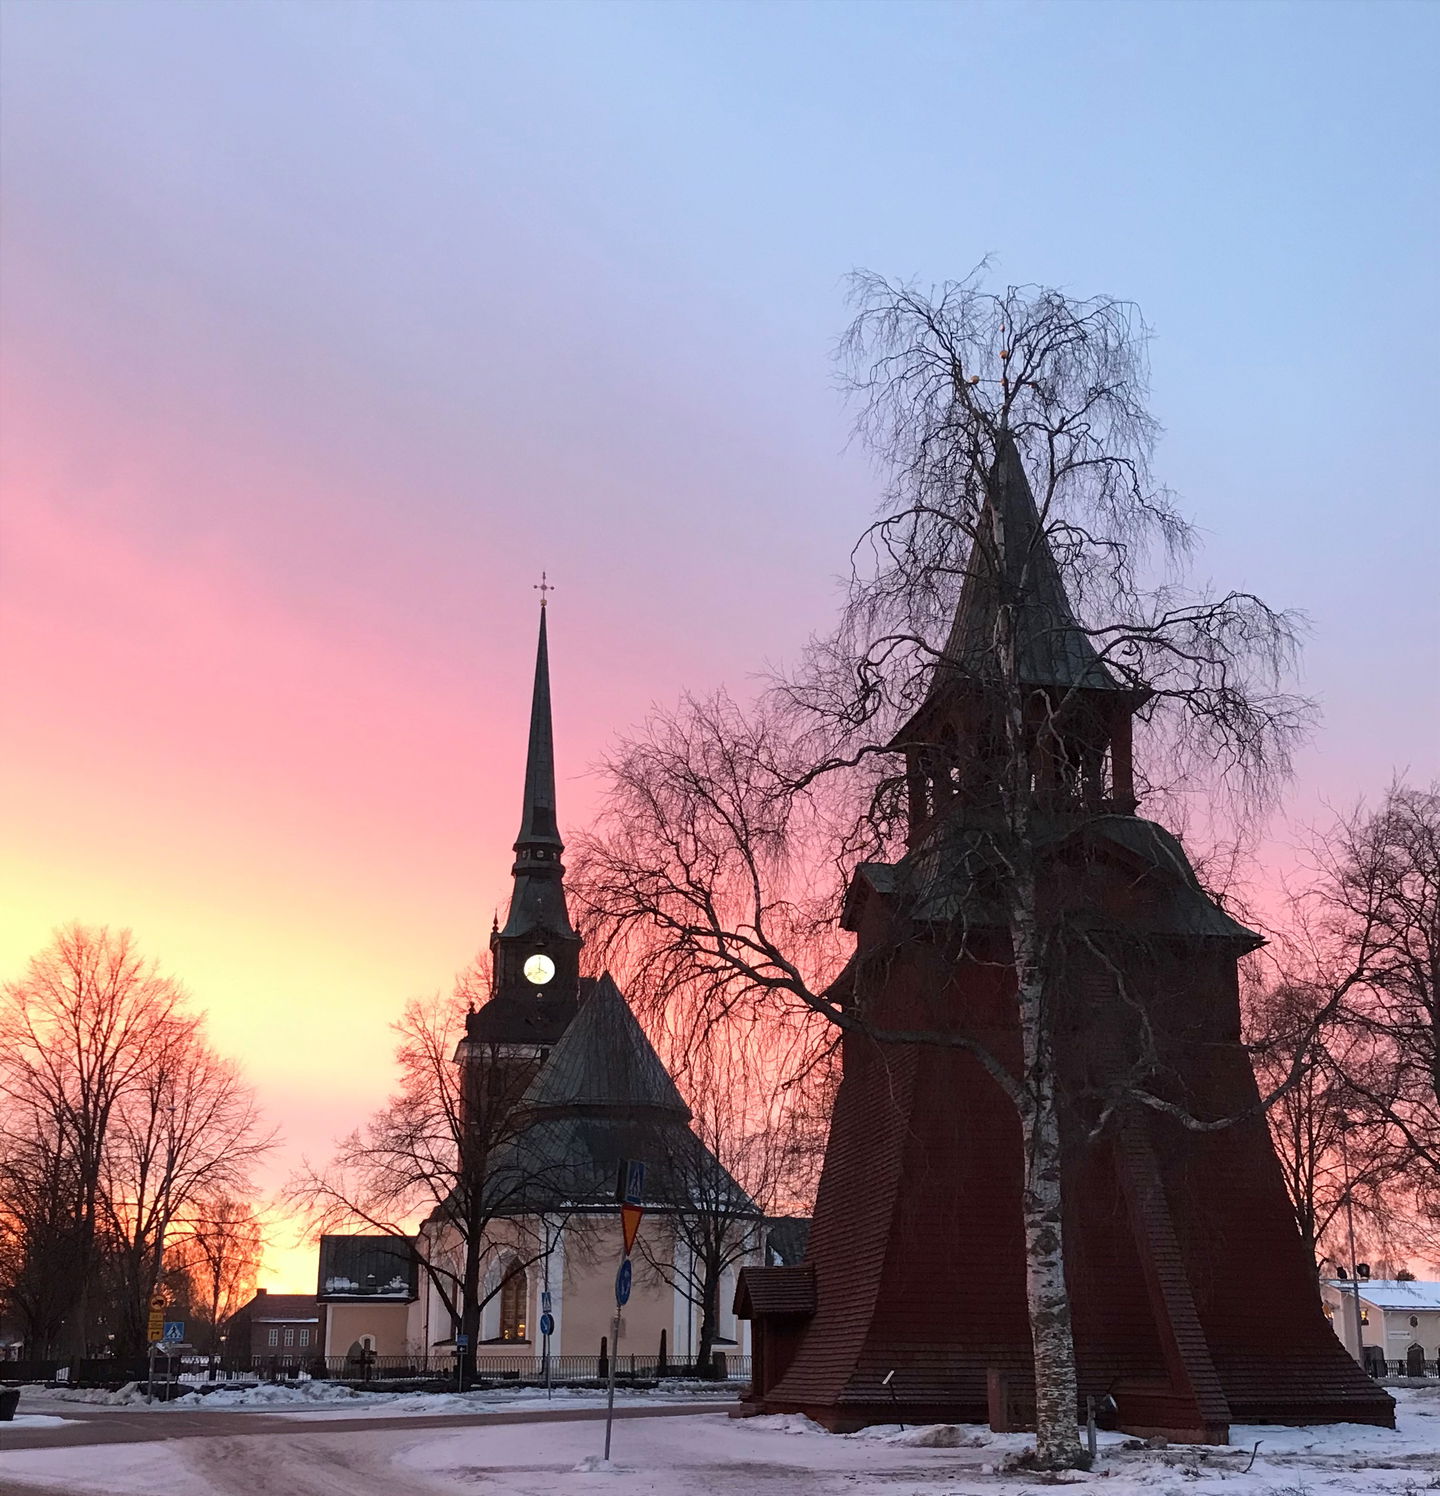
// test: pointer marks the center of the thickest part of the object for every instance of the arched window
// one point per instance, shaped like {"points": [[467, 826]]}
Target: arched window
{"points": [[514, 1294]]}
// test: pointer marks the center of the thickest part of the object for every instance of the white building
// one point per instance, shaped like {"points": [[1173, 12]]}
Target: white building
{"points": [[1394, 1314]]}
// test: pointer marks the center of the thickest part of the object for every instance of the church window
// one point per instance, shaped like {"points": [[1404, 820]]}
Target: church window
{"points": [[273, 1338], [289, 1334], [304, 1337], [513, 1295]]}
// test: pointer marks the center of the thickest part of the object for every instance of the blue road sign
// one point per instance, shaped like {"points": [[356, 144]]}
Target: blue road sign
{"points": [[547, 1324], [622, 1283], [462, 1342], [174, 1331], [545, 1304], [634, 1182]]}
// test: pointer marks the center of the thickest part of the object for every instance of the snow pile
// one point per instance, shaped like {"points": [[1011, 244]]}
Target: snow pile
{"points": [[784, 1423], [931, 1435], [270, 1395], [128, 1396]]}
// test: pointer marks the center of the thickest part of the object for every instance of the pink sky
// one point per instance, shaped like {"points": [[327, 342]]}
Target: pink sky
{"points": [[326, 328]]}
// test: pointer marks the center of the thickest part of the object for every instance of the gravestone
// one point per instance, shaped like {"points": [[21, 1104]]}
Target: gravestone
{"points": [[1415, 1360]]}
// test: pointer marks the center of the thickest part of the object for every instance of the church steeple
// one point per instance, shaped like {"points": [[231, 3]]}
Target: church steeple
{"points": [[537, 904], [535, 956], [1013, 594], [539, 839]]}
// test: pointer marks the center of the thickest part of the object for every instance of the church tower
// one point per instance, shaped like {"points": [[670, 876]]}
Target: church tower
{"points": [[1193, 1299], [535, 956]]}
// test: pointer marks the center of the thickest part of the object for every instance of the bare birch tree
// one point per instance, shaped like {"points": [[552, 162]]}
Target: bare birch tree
{"points": [[729, 834], [189, 1129], [436, 1166], [1376, 904], [1302, 1049]]}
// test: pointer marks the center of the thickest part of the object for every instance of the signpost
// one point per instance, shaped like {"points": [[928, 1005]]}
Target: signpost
{"points": [[156, 1326], [154, 1333], [462, 1344], [630, 1196], [547, 1324]]}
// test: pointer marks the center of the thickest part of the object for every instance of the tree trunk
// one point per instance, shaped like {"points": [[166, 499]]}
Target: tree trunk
{"points": [[1057, 1397], [1057, 1438], [470, 1308], [709, 1318]]}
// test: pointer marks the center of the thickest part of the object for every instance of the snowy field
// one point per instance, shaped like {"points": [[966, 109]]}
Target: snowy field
{"points": [[710, 1453]]}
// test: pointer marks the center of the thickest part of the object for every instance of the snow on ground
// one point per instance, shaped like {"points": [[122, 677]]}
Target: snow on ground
{"points": [[331, 1400], [718, 1456]]}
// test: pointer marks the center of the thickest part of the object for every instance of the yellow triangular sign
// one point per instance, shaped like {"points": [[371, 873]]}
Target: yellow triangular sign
{"points": [[630, 1223]]}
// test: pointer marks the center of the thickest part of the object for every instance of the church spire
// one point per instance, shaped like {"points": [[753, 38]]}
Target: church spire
{"points": [[539, 831], [537, 905]]}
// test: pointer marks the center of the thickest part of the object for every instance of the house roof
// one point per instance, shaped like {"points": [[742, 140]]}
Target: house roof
{"points": [[1393, 1293], [370, 1268], [280, 1307]]}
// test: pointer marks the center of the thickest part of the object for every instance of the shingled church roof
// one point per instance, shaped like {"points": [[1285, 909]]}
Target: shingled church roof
{"points": [[604, 1095], [605, 1063]]}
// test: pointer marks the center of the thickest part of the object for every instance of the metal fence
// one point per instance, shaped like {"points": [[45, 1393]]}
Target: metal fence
{"points": [[1380, 1366]]}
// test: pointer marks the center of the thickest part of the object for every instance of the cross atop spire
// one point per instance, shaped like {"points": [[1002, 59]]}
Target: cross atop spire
{"points": [[542, 587]]}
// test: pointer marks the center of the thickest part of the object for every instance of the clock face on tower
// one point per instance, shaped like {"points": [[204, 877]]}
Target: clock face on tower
{"points": [[539, 969]]}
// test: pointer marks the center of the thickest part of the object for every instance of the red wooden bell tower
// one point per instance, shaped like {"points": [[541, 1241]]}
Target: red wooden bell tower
{"points": [[1194, 1302]]}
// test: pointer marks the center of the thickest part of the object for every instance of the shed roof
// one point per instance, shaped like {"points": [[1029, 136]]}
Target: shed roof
{"points": [[764, 1291]]}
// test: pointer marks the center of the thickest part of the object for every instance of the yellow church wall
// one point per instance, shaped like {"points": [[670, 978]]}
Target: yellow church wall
{"points": [[347, 1323], [588, 1306]]}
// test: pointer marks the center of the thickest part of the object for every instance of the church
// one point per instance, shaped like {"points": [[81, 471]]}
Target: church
{"points": [[559, 1086]]}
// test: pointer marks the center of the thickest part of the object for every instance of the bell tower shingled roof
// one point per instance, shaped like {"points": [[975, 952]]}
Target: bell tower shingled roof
{"points": [[1012, 563]]}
